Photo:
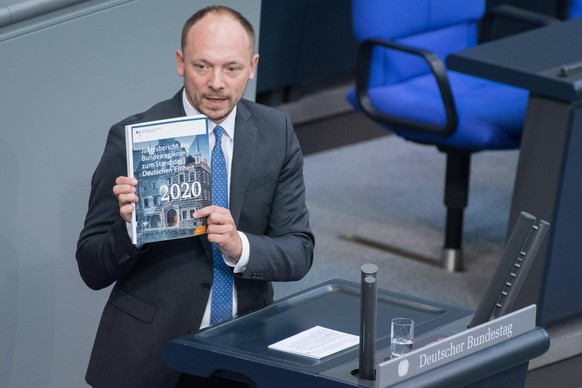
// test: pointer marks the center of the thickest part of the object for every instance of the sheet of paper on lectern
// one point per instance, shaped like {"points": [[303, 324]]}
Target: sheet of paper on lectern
{"points": [[317, 342]]}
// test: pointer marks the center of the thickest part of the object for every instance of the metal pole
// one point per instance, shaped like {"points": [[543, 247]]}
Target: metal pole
{"points": [[368, 307]]}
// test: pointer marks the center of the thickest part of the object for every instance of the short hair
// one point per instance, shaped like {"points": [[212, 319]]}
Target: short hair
{"points": [[218, 10]]}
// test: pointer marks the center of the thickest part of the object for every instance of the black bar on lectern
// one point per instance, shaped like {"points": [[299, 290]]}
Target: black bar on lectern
{"points": [[518, 255], [368, 316], [517, 277]]}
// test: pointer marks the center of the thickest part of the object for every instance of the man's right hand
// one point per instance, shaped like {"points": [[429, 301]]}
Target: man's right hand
{"points": [[124, 190]]}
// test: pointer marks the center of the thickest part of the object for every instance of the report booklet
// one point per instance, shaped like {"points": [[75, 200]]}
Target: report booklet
{"points": [[171, 161]]}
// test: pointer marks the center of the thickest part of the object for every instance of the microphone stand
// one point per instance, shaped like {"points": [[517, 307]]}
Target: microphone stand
{"points": [[368, 314]]}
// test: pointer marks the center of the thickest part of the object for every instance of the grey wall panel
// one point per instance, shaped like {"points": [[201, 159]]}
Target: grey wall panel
{"points": [[64, 79], [5, 16], [25, 9]]}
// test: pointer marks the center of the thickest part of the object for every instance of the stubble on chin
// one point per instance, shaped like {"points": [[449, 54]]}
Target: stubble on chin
{"points": [[217, 118], [216, 114]]}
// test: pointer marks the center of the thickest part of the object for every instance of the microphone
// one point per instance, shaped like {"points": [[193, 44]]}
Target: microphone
{"points": [[368, 315]]}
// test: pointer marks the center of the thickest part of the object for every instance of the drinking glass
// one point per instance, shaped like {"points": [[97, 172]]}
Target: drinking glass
{"points": [[402, 336]]}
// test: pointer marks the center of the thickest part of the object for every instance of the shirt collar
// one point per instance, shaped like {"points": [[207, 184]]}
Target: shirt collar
{"points": [[227, 124]]}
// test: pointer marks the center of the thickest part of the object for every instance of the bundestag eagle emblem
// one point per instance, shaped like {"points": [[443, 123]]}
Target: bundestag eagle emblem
{"points": [[403, 368]]}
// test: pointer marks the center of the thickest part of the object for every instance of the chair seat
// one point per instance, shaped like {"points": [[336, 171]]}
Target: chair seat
{"points": [[490, 114]]}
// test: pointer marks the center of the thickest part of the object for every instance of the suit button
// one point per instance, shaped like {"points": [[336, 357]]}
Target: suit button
{"points": [[123, 258], [206, 286]]}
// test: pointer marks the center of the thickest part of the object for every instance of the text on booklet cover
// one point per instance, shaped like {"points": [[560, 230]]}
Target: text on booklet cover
{"points": [[171, 161]]}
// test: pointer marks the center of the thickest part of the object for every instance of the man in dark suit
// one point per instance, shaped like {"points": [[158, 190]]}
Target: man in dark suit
{"points": [[163, 290]]}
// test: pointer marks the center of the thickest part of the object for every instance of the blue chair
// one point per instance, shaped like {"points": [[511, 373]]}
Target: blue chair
{"points": [[402, 83], [569, 9]]}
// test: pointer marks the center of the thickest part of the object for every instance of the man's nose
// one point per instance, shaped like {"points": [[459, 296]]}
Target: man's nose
{"points": [[216, 80]]}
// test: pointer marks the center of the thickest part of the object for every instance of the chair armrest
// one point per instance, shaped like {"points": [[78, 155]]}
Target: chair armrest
{"points": [[515, 14], [438, 69]]}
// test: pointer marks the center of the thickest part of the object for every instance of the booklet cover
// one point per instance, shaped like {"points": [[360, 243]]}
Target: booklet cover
{"points": [[170, 160]]}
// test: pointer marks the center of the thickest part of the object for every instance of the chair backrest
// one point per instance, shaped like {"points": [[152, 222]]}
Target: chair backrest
{"points": [[441, 26], [575, 10], [568, 9]]}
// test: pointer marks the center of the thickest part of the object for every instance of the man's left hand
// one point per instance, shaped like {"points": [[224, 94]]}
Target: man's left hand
{"points": [[221, 230]]}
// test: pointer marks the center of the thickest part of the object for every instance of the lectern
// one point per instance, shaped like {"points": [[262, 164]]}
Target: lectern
{"points": [[238, 349]]}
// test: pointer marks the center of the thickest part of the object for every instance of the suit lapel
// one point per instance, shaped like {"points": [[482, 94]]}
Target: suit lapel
{"points": [[243, 160]]}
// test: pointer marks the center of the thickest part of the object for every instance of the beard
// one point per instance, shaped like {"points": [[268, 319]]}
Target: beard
{"points": [[216, 107]]}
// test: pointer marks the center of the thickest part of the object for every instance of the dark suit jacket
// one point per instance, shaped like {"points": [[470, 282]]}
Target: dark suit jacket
{"points": [[161, 290]]}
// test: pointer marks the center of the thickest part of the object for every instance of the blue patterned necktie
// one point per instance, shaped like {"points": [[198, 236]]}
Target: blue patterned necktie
{"points": [[221, 307]]}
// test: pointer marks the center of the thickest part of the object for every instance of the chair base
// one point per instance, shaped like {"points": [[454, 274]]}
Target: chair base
{"points": [[452, 259]]}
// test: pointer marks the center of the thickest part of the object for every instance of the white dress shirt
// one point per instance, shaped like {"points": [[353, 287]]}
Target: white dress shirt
{"points": [[227, 149]]}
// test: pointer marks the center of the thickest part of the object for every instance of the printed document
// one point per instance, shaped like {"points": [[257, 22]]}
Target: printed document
{"points": [[317, 342]]}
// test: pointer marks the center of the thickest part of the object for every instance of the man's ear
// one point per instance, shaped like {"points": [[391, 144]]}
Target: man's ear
{"points": [[180, 62], [254, 61]]}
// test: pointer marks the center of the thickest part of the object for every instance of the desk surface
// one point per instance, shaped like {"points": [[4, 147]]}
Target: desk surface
{"points": [[531, 60]]}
